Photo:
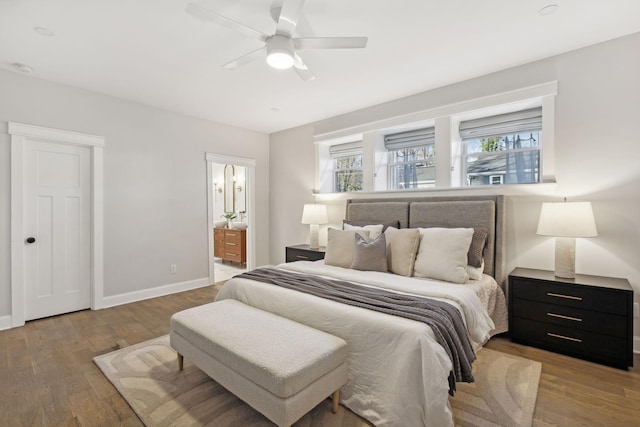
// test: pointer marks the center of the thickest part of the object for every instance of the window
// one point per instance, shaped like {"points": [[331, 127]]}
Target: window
{"points": [[347, 166], [411, 159], [482, 144], [503, 149]]}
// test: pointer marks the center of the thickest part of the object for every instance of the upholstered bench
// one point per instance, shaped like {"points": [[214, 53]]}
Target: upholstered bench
{"points": [[281, 368]]}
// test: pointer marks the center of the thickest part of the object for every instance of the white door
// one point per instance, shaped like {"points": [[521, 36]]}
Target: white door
{"points": [[57, 221]]}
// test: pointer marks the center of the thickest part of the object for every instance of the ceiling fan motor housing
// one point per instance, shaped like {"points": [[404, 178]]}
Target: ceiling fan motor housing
{"points": [[280, 52]]}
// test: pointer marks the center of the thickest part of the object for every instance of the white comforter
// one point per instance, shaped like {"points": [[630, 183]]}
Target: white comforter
{"points": [[397, 371]]}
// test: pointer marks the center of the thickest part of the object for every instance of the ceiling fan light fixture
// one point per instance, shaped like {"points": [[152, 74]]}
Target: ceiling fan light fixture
{"points": [[280, 52]]}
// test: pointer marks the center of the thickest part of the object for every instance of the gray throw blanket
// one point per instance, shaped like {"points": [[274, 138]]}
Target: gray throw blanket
{"points": [[444, 319]]}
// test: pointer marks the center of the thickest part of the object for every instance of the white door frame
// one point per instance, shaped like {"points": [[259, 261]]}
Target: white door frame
{"points": [[20, 134], [250, 165]]}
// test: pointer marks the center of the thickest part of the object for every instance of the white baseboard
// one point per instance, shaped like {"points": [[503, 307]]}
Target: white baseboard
{"points": [[636, 344], [5, 322], [160, 291]]}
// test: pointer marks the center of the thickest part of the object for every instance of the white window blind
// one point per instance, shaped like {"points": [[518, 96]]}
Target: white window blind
{"points": [[345, 150], [409, 139], [503, 124]]}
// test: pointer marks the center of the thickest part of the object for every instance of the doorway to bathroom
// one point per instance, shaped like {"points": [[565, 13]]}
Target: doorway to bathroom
{"points": [[231, 198]]}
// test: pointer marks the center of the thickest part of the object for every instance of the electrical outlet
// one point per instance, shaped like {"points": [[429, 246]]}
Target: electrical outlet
{"points": [[173, 269], [636, 310]]}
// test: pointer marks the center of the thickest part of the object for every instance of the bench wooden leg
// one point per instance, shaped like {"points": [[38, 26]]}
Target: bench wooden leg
{"points": [[180, 362], [336, 401]]}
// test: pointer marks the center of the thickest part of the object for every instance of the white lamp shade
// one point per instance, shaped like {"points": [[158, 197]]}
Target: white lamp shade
{"points": [[567, 219], [314, 214]]}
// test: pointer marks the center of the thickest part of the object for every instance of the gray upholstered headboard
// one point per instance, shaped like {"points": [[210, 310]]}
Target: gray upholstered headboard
{"points": [[455, 211]]}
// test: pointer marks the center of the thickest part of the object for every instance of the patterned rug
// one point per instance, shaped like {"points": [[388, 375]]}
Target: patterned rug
{"points": [[147, 376]]}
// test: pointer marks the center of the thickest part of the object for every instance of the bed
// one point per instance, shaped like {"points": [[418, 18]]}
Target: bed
{"points": [[398, 373]]}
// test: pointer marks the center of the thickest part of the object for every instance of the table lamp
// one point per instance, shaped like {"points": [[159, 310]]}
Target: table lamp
{"points": [[565, 221], [314, 215]]}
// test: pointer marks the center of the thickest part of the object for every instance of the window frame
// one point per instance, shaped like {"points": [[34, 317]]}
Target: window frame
{"points": [[465, 165], [393, 184], [336, 170], [448, 144]]}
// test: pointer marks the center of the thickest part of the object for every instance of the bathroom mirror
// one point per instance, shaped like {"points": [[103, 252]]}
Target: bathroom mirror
{"points": [[229, 189]]}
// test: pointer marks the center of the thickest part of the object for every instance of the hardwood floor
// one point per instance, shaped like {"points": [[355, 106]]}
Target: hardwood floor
{"points": [[46, 367], [574, 392], [48, 377]]}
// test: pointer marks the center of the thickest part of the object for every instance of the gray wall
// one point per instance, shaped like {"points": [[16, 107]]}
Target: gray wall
{"points": [[597, 150], [155, 204]]}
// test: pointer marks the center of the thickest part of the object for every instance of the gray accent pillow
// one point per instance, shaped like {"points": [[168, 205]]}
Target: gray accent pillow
{"points": [[340, 246], [374, 230], [370, 256], [475, 256]]}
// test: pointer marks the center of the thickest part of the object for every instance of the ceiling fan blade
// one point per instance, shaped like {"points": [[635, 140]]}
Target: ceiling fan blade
{"points": [[330, 42], [245, 59], [207, 15], [289, 16], [302, 69]]}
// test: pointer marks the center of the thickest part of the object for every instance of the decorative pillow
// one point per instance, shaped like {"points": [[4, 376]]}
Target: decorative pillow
{"points": [[475, 256], [340, 246], [475, 273], [361, 223], [374, 230], [443, 254], [402, 246], [370, 255]]}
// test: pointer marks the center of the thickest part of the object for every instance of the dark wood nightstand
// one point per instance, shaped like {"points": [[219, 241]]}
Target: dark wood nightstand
{"points": [[589, 317], [304, 253]]}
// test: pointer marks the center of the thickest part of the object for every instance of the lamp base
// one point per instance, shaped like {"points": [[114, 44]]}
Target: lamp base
{"points": [[566, 257], [314, 240]]}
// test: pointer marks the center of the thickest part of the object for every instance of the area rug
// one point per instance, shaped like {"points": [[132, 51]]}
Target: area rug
{"points": [[503, 394], [147, 376]]}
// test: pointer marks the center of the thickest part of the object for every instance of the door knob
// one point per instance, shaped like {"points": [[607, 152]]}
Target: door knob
{"points": [[31, 240]]}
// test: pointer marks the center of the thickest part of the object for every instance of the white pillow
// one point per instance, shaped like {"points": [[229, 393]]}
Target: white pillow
{"points": [[443, 254], [374, 230], [475, 273], [341, 246]]}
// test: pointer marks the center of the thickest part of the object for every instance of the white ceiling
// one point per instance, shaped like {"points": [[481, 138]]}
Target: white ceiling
{"points": [[152, 52]]}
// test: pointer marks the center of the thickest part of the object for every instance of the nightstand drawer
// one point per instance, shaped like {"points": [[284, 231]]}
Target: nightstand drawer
{"points": [[578, 296], [571, 341], [303, 253], [592, 321]]}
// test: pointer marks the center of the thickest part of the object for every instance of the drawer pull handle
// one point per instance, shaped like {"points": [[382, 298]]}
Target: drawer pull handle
{"points": [[231, 254], [231, 244], [563, 337], [302, 257], [575, 319], [551, 294], [231, 234]]}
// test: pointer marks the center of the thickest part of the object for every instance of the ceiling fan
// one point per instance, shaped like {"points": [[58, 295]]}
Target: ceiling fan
{"points": [[281, 47]]}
